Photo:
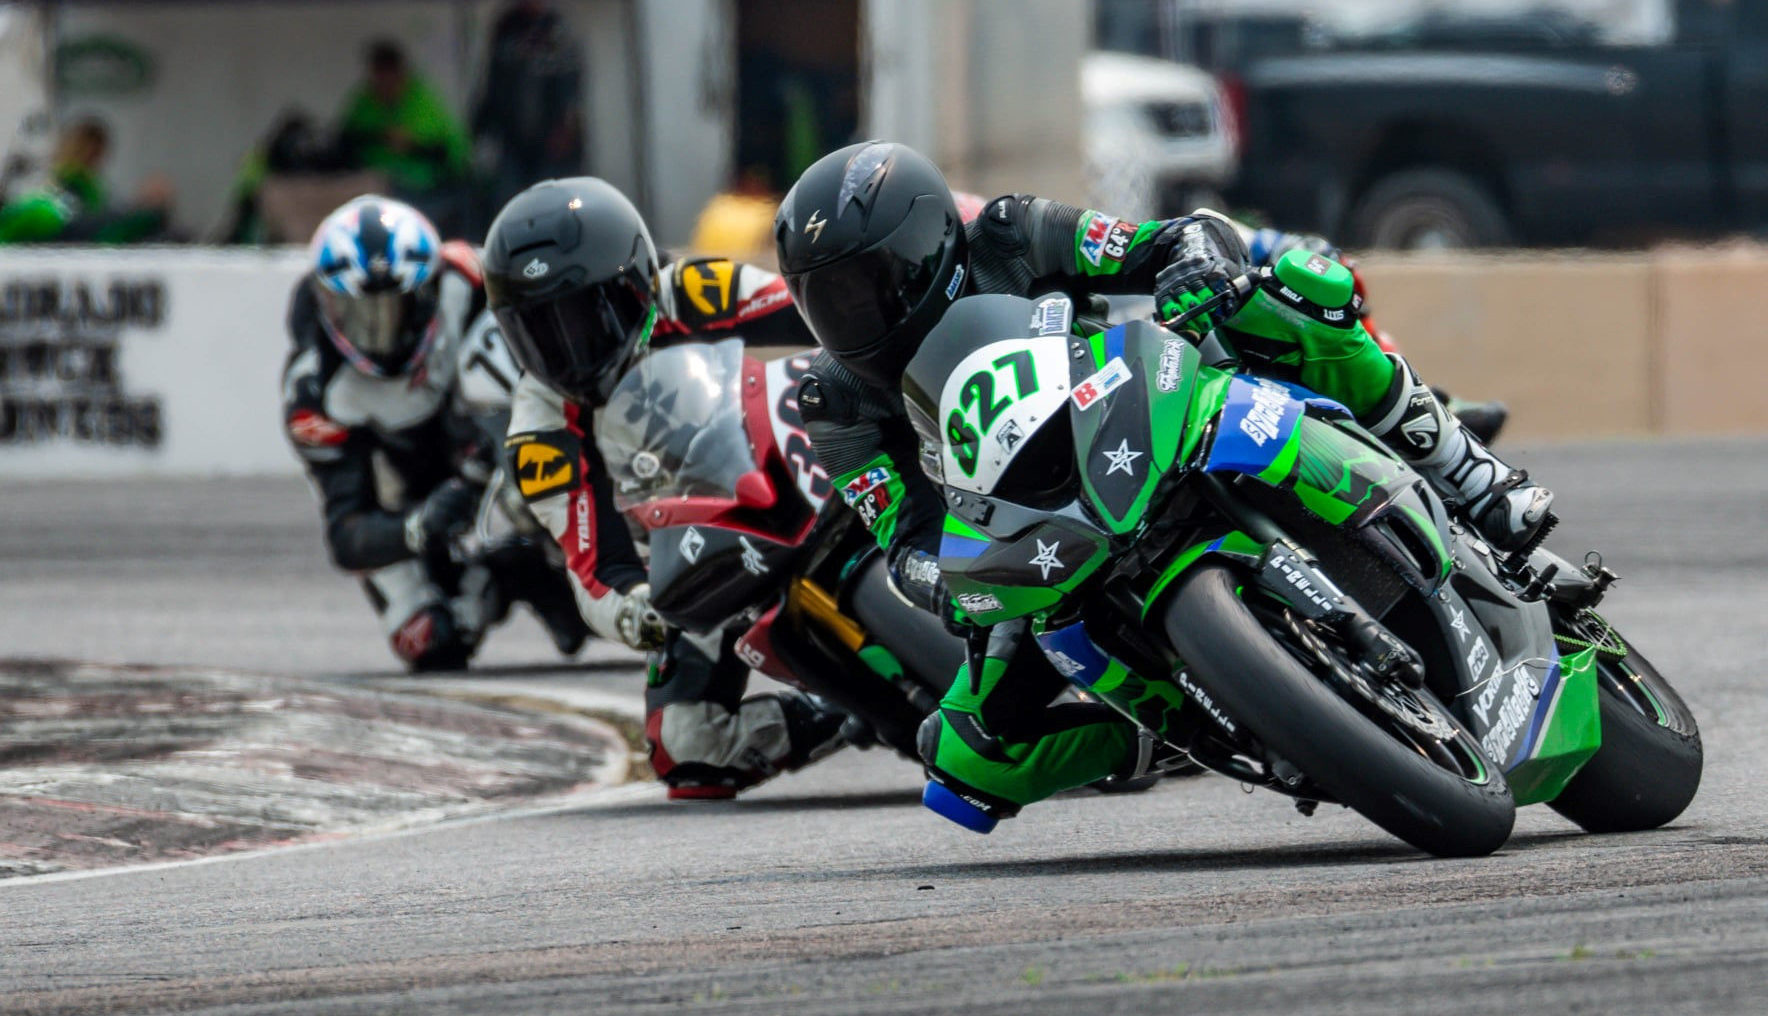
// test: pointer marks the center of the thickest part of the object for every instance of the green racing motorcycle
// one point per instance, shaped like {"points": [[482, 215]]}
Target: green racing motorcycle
{"points": [[1234, 564]]}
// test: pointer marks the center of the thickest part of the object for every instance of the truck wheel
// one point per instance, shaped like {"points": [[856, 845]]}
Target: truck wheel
{"points": [[1425, 209]]}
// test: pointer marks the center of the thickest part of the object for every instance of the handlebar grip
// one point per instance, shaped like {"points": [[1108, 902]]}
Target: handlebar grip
{"points": [[1241, 287]]}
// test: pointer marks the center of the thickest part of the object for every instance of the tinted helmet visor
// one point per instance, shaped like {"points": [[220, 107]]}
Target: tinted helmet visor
{"points": [[386, 328], [577, 342], [855, 303]]}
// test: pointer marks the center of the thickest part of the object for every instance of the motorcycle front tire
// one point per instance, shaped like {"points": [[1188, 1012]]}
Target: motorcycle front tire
{"points": [[1297, 715]]}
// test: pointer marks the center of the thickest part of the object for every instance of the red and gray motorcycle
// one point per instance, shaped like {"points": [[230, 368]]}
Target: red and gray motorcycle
{"points": [[708, 455]]}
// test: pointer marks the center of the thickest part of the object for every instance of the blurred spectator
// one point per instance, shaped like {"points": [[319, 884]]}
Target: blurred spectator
{"points": [[529, 120], [75, 207], [294, 150], [797, 86], [395, 123]]}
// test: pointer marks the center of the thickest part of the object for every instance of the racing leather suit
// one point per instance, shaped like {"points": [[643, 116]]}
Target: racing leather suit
{"points": [[706, 741], [1010, 749], [375, 448]]}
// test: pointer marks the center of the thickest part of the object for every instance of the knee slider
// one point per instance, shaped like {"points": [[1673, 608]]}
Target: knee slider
{"points": [[430, 640]]}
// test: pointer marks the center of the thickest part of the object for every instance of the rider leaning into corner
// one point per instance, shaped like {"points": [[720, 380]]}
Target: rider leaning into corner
{"points": [[874, 250], [577, 287], [372, 404]]}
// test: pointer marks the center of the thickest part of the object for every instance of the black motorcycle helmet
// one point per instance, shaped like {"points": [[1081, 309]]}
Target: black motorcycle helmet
{"points": [[873, 250], [571, 273]]}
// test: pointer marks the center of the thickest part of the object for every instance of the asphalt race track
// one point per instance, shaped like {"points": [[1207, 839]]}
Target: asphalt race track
{"points": [[833, 891]]}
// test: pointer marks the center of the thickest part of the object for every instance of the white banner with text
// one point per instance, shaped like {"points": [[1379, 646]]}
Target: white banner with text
{"points": [[146, 361]]}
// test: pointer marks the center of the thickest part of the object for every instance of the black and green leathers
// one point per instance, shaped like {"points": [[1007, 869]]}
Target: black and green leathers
{"points": [[999, 751]]}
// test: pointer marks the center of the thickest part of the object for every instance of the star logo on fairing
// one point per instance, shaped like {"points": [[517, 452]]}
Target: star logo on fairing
{"points": [[1458, 621], [1046, 557], [1122, 459]]}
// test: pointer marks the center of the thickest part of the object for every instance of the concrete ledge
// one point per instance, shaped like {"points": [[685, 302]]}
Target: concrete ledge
{"points": [[109, 765], [1588, 345]]}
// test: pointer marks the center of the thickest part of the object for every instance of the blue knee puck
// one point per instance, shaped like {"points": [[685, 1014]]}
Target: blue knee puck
{"points": [[949, 805]]}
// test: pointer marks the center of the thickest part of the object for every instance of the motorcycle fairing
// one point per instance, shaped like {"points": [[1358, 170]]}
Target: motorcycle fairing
{"points": [[1259, 433], [703, 575], [756, 649], [1018, 574], [1535, 715], [1128, 439], [780, 384]]}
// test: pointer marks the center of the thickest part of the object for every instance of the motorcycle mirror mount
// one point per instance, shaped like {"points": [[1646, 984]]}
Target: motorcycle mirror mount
{"points": [[754, 491]]}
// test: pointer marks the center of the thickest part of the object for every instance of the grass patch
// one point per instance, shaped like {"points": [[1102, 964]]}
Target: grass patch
{"points": [[1167, 975]]}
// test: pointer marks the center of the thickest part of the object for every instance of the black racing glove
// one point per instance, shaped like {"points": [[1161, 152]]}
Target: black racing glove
{"points": [[1199, 271], [915, 574], [446, 512]]}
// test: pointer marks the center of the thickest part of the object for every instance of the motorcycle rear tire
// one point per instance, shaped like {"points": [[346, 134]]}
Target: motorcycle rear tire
{"points": [[1645, 773], [1295, 714]]}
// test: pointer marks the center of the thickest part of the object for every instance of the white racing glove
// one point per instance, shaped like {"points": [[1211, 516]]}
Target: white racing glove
{"points": [[639, 624]]}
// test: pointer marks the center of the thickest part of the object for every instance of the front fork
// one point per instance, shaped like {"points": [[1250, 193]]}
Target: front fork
{"points": [[1293, 575]]}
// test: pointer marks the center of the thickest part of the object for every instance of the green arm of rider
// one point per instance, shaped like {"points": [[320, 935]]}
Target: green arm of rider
{"points": [[874, 490], [1309, 303], [1108, 246]]}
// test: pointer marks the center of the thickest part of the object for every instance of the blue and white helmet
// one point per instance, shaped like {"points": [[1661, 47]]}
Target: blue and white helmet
{"points": [[376, 266]]}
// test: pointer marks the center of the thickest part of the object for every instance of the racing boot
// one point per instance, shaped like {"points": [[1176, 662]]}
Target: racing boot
{"points": [[523, 573], [1504, 506], [815, 729], [562, 619], [1484, 420]]}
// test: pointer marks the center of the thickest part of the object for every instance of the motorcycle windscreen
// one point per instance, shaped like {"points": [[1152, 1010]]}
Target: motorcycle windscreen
{"points": [[673, 427]]}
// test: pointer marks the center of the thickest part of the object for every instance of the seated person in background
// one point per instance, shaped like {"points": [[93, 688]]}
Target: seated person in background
{"points": [[74, 206], [395, 123]]}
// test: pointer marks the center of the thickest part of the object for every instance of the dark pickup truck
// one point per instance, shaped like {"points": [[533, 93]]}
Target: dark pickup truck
{"points": [[1466, 147]]}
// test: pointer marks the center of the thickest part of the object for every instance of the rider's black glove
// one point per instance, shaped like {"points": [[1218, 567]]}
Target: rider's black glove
{"points": [[915, 574], [1198, 271], [447, 511]]}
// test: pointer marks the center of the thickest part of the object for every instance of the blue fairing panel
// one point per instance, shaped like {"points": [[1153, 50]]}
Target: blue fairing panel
{"points": [[1257, 419], [1537, 721]]}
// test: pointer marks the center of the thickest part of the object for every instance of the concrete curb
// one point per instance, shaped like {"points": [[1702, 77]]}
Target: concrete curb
{"points": [[102, 764]]}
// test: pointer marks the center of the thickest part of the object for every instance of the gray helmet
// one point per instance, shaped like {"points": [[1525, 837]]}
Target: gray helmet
{"points": [[571, 273]]}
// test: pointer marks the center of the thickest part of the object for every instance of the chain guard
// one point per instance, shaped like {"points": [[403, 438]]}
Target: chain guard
{"points": [[1603, 637]]}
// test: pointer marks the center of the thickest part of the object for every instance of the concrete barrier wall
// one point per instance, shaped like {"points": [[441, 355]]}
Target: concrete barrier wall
{"points": [[1588, 345], [166, 362], [162, 362]]}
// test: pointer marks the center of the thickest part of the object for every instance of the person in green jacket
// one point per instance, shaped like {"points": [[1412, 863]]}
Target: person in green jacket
{"points": [[75, 206], [396, 123]]}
